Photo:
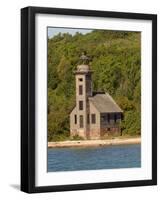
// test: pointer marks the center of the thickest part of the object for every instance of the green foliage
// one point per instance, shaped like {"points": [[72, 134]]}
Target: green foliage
{"points": [[116, 60], [131, 123], [77, 137], [60, 137], [125, 103]]}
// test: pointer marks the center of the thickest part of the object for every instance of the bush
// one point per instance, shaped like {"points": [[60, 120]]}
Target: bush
{"points": [[77, 137], [60, 137]]}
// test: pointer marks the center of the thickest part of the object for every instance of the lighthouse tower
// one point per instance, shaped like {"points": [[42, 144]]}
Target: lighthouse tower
{"points": [[83, 91]]}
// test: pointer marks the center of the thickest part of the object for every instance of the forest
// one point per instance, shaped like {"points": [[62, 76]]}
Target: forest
{"points": [[116, 62]]}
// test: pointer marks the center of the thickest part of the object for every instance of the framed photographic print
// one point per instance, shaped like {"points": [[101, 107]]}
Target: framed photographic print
{"points": [[88, 99]]}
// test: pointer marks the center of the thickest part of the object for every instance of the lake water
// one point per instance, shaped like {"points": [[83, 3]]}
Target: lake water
{"points": [[109, 157]]}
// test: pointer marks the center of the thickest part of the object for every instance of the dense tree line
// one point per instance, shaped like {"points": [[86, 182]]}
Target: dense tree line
{"points": [[116, 62]]}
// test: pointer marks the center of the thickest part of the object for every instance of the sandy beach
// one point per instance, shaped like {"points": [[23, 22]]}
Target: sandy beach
{"points": [[93, 143]]}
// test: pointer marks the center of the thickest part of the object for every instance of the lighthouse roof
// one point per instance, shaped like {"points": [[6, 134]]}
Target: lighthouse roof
{"points": [[83, 68], [104, 103]]}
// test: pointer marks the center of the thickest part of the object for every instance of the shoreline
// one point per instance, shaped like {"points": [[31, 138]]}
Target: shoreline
{"points": [[94, 143]]}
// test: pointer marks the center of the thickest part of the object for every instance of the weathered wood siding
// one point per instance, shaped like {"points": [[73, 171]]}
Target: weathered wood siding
{"points": [[94, 129]]}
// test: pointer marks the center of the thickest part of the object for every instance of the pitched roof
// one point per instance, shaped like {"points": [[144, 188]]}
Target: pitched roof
{"points": [[104, 103]]}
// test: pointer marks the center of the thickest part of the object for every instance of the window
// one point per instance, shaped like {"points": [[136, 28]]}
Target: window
{"points": [[75, 119], [93, 118], [88, 119], [115, 117], [81, 121], [108, 117], [80, 79], [80, 105], [103, 118], [80, 89]]}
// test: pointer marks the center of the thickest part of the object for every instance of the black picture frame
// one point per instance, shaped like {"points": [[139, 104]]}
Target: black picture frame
{"points": [[28, 98]]}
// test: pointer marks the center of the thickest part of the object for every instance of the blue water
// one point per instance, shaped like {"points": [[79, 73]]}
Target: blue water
{"points": [[109, 157]]}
